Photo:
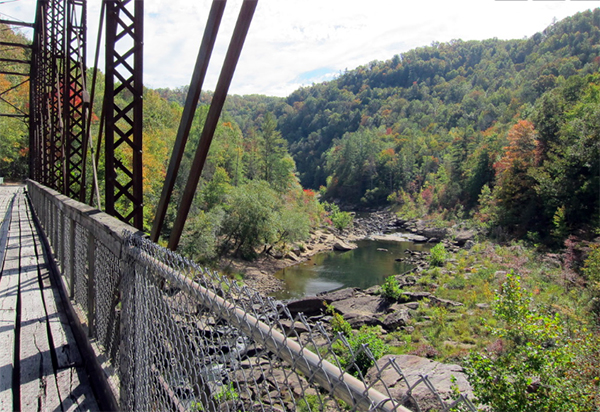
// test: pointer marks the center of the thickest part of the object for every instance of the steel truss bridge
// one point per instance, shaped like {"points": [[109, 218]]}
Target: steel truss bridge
{"points": [[157, 331]]}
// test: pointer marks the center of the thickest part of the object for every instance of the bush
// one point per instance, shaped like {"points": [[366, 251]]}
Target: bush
{"points": [[438, 255], [341, 220], [591, 270], [391, 288], [362, 361], [530, 370], [338, 323]]}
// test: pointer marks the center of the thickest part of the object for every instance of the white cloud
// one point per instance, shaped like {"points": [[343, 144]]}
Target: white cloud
{"points": [[289, 38]]}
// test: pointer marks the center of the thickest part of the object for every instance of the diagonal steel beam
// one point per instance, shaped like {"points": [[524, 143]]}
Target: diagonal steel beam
{"points": [[231, 59], [191, 103]]}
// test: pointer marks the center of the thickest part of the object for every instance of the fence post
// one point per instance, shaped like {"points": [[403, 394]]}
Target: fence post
{"points": [[72, 260], [62, 235], [127, 335], [91, 292]]}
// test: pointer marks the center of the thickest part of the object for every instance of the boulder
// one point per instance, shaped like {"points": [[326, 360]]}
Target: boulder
{"points": [[340, 294], [462, 236], [311, 306], [292, 256], [342, 246], [415, 296], [469, 244], [362, 309], [436, 232], [444, 302], [398, 318], [413, 367]]}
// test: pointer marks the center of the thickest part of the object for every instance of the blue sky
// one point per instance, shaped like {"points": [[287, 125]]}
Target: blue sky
{"points": [[299, 42]]}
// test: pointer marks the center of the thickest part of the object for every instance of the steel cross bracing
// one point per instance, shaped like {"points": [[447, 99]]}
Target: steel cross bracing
{"points": [[75, 99], [123, 110]]}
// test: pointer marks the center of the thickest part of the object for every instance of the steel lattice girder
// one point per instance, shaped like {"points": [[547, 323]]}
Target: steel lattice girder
{"points": [[123, 143], [55, 30], [74, 99], [57, 96]]}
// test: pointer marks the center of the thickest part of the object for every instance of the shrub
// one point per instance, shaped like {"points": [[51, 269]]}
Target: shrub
{"points": [[438, 255], [391, 288], [341, 220], [591, 270], [362, 361], [226, 393], [310, 403], [338, 323], [529, 373]]}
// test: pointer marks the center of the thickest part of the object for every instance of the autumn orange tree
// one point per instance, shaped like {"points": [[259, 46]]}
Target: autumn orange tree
{"points": [[514, 190]]}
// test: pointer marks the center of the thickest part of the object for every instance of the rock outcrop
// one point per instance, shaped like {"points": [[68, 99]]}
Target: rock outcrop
{"points": [[413, 367]]}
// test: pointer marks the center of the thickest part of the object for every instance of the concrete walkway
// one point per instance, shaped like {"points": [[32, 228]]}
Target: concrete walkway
{"points": [[41, 368]]}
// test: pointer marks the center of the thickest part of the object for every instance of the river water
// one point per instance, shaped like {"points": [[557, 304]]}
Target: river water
{"points": [[363, 267]]}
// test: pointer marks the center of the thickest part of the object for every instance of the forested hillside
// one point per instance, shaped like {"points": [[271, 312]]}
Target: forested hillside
{"points": [[442, 127], [503, 131], [14, 140]]}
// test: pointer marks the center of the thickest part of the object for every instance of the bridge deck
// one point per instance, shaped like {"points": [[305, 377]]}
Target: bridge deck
{"points": [[40, 365]]}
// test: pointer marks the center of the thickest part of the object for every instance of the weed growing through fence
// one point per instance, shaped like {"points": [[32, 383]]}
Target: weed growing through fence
{"points": [[226, 393], [310, 403], [338, 323], [367, 336]]}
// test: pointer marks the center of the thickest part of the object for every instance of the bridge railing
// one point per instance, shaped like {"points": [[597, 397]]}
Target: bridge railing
{"points": [[170, 335]]}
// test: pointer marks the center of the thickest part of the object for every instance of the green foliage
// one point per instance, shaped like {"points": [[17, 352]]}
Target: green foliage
{"points": [[14, 136], [591, 270], [355, 360], [338, 323], [529, 373], [251, 214], [438, 255], [340, 220], [310, 403], [200, 238], [391, 288], [226, 393]]}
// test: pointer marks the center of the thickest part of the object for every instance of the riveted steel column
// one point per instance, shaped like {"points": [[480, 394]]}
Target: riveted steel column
{"points": [[123, 142]]}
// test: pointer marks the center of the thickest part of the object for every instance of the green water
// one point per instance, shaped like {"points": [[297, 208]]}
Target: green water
{"points": [[363, 267]]}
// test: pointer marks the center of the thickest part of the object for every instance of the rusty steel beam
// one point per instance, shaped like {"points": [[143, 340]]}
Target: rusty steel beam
{"points": [[16, 23], [14, 73], [10, 44], [191, 103], [229, 65], [15, 61], [123, 135]]}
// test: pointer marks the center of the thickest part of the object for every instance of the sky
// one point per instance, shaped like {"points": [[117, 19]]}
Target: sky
{"points": [[295, 43]]}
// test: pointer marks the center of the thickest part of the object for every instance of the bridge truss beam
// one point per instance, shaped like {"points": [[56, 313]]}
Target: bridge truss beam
{"points": [[57, 95], [123, 106]]}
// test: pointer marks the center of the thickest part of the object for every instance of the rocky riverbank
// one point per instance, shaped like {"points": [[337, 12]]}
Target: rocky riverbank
{"points": [[383, 225]]}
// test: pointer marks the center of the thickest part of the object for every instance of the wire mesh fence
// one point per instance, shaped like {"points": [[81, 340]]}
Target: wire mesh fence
{"points": [[177, 336]]}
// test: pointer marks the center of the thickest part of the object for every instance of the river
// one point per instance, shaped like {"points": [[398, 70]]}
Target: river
{"points": [[364, 267]]}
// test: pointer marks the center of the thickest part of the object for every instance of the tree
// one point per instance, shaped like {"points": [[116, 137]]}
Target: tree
{"points": [[277, 165], [515, 189], [251, 216]]}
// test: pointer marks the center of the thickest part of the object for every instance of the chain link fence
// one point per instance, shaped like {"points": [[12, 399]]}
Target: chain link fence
{"points": [[174, 336]]}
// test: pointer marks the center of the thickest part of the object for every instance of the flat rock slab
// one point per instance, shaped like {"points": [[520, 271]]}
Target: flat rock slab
{"points": [[413, 367], [362, 309]]}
